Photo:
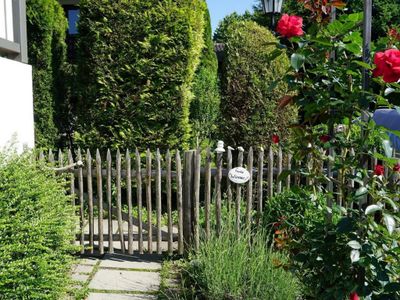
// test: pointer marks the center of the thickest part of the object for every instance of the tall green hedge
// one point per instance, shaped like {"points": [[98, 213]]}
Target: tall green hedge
{"points": [[47, 27], [249, 105], [204, 109], [137, 61], [37, 225]]}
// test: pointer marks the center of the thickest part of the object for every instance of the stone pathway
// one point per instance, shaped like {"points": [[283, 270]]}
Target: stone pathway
{"points": [[118, 276]]}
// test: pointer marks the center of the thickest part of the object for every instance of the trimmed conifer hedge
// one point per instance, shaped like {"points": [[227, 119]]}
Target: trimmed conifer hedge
{"points": [[249, 105], [204, 109], [47, 27], [137, 61]]}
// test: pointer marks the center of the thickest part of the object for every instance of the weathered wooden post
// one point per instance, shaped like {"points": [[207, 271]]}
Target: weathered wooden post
{"points": [[187, 197]]}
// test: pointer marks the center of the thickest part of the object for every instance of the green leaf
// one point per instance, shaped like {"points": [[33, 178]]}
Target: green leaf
{"points": [[363, 64], [390, 223], [372, 209], [354, 245], [297, 61], [354, 255], [362, 191]]}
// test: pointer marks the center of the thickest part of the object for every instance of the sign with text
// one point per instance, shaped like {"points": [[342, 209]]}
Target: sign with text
{"points": [[239, 175]]}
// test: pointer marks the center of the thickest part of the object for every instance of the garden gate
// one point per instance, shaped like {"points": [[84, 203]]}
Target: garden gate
{"points": [[115, 196]]}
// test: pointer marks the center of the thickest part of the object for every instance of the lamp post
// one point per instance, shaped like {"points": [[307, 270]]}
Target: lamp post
{"points": [[272, 7]]}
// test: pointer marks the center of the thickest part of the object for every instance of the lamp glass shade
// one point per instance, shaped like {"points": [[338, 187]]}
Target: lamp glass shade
{"points": [[272, 6]]}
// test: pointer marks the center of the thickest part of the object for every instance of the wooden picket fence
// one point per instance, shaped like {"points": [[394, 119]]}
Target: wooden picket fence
{"points": [[196, 181]]}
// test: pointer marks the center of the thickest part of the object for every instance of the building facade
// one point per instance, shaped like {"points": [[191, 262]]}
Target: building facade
{"points": [[16, 99]]}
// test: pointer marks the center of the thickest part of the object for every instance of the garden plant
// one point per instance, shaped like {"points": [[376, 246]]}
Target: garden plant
{"points": [[353, 251], [37, 225]]}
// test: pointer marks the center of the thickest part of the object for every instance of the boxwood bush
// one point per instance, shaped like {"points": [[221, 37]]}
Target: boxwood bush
{"points": [[137, 61], [36, 229], [249, 105]]}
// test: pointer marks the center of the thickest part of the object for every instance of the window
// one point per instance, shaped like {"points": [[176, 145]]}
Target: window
{"points": [[73, 16]]}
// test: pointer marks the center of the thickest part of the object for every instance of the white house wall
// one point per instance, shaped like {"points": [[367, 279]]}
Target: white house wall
{"points": [[16, 104]]}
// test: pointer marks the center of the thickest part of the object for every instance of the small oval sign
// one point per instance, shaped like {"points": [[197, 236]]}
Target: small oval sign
{"points": [[239, 175]]}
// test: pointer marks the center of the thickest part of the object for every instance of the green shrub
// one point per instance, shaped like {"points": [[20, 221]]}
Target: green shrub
{"points": [[231, 267], [137, 61], [204, 109], [36, 230], [47, 27], [250, 114]]}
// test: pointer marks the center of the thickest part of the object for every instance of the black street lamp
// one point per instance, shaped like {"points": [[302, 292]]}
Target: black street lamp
{"points": [[272, 7]]}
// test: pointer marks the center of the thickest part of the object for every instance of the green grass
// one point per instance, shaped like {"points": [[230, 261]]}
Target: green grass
{"points": [[231, 267]]}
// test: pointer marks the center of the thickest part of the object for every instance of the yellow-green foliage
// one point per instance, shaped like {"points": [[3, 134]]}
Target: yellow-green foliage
{"points": [[36, 228], [250, 115], [204, 109], [137, 61], [47, 27]]}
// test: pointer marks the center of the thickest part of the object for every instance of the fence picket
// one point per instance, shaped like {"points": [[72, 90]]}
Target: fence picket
{"points": [[289, 167], [129, 200], [81, 205], [228, 182], [99, 181], [218, 196], [196, 206], [119, 200], [260, 181], [158, 200], [249, 198], [270, 173], [90, 200], [139, 199], [179, 201], [280, 168], [238, 192], [207, 192], [51, 157], [148, 203], [60, 159], [109, 201], [169, 201], [72, 179], [187, 197]]}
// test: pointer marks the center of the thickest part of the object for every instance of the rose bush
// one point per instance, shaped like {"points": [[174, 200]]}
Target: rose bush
{"points": [[354, 250]]}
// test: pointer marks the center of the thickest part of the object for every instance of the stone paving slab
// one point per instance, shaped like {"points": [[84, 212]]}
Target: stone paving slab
{"points": [[83, 269], [101, 296], [128, 262], [91, 261], [80, 277], [121, 280]]}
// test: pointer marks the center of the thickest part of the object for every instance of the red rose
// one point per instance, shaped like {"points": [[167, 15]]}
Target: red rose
{"points": [[324, 138], [290, 26], [396, 168], [388, 65], [354, 296], [275, 139], [379, 170]]}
